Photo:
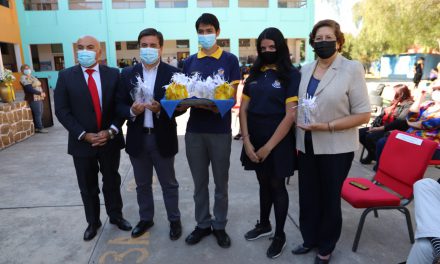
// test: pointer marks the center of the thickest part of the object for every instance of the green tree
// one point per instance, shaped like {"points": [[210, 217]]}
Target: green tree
{"points": [[393, 26]]}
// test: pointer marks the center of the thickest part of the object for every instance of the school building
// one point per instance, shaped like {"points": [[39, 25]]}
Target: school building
{"points": [[50, 28]]}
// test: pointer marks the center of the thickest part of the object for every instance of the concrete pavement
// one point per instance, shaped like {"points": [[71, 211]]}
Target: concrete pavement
{"points": [[42, 218]]}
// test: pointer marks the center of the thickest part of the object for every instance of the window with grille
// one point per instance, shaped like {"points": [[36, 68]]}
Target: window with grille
{"points": [[253, 3], [171, 3], [85, 4], [212, 3], [128, 4], [40, 5], [292, 3]]}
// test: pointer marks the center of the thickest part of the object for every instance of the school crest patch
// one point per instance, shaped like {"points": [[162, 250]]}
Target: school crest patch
{"points": [[276, 84], [221, 72]]}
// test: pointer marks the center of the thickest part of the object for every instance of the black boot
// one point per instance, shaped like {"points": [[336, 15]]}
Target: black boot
{"points": [[368, 159]]}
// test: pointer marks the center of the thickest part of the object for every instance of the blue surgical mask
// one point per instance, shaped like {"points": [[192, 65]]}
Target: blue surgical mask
{"points": [[149, 55], [27, 72], [86, 58], [207, 41]]}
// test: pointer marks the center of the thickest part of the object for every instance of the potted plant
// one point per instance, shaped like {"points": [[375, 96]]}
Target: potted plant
{"points": [[7, 93]]}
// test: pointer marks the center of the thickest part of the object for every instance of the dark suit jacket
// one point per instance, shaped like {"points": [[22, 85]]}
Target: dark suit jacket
{"points": [[165, 127], [74, 109]]}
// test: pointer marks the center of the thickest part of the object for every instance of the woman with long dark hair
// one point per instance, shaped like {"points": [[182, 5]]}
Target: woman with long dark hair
{"points": [[267, 114]]}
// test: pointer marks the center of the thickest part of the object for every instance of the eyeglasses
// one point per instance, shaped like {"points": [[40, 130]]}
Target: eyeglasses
{"points": [[324, 38]]}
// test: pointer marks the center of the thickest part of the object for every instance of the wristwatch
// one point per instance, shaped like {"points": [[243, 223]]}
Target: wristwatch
{"points": [[111, 133]]}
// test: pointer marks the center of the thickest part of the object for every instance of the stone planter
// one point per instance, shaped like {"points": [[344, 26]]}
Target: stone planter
{"points": [[16, 123]]}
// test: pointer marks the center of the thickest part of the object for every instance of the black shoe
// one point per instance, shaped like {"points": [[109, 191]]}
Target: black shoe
{"points": [[91, 231], [141, 228], [367, 160], [197, 235], [319, 260], [258, 232], [175, 230], [223, 239], [277, 247], [121, 223], [299, 250]]}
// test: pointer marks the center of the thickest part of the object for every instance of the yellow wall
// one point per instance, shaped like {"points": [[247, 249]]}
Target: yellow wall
{"points": [[10, 31]]}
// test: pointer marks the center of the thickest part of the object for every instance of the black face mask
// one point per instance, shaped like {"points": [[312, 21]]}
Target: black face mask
{"points": [[325, 49], [269, 57]]}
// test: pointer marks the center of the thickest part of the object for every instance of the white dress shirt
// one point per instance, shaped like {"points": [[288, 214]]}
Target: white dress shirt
{"points": [[97, 77], [149, 77]]}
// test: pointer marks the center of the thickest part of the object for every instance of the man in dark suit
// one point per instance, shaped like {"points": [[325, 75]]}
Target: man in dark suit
{"points": [[85, 106], [151, 134]]}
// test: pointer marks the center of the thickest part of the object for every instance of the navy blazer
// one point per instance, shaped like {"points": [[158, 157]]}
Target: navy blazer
{"points": [[165, 127], [74, 109]]}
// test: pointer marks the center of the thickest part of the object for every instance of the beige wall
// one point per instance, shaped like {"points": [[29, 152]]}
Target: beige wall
{"points": [[45, 54], [169, 50], [103, 51]]}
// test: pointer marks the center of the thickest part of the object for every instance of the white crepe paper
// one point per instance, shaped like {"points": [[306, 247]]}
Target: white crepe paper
{"points": [[196, 86], [307, 105], [141, 93]]}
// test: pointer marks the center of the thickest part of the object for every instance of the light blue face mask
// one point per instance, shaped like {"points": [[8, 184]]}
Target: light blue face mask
{"points": [[207, 41], [149, 55], [27, 72], [86, 58]]}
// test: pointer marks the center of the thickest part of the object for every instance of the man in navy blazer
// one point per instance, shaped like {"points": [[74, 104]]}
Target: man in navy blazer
{"points": [[85, 106], [151, 134]]}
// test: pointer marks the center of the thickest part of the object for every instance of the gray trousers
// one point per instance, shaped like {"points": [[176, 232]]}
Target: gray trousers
{"points": [[201, 151], [427, 215], [143, 174], [421, 252]]}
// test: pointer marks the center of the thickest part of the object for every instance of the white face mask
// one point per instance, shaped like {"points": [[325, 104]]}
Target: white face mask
{"points": [[435, 95], [149, 55]]}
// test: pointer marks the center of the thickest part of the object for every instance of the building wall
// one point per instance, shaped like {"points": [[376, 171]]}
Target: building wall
{"points": [[10, 33], [110, 25]]}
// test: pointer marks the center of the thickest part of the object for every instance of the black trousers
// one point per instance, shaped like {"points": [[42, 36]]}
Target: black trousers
{"points": [[369, 140], [320, 183], [87, 169]]}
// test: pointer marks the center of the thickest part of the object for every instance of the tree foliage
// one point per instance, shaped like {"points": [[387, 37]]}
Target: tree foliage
{"points": [[393, 26]]}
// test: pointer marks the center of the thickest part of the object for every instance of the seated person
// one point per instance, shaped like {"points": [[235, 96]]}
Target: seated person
{"points": [[392, 117], [426, 249], [423, 120]]}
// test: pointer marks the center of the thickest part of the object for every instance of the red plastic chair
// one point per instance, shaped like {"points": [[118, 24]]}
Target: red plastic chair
{"points": [[403, 161], [434, 163]]}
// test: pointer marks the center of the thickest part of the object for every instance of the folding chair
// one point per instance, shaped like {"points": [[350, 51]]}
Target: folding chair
{"points": [[403, 161], [434, 163]]}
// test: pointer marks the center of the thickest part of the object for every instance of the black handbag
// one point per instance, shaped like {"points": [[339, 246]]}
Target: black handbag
{"points": [[377, 122]]}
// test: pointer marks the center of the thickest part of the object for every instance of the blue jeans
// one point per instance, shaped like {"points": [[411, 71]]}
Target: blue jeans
{"points": [[37, 113]]}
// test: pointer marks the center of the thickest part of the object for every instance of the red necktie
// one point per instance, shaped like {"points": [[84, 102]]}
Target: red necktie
{"points": [[95, 97]]}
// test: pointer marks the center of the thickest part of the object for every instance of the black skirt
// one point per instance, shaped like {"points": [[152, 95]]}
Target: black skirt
{"points": [[282, 160]]}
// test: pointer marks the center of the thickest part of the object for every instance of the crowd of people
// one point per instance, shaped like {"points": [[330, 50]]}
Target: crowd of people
{"points": [[93, 101]]}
